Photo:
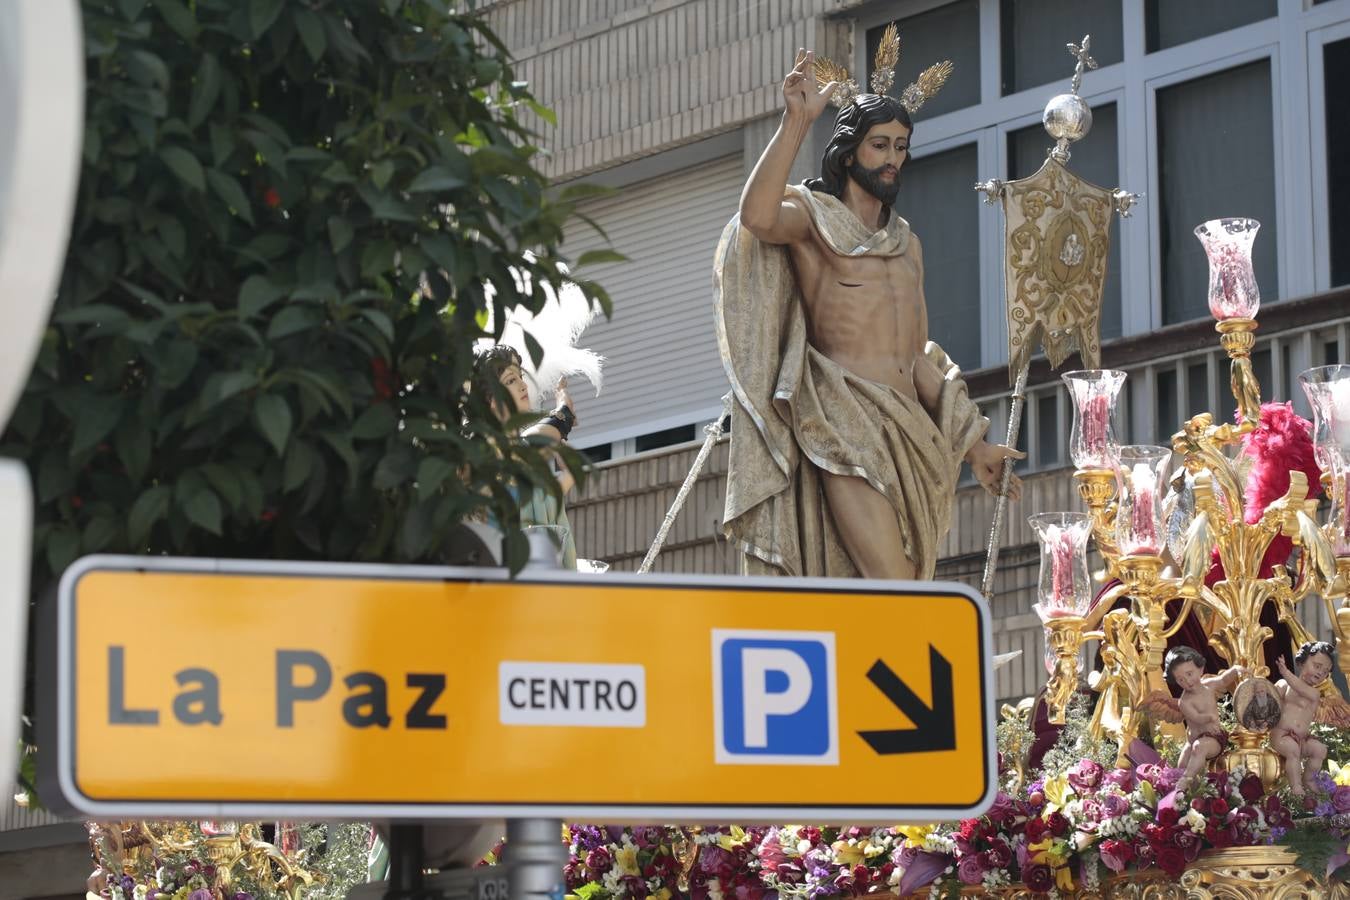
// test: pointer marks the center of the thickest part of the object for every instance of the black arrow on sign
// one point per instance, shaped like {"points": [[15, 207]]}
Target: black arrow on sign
{"points": [[934, 726]]}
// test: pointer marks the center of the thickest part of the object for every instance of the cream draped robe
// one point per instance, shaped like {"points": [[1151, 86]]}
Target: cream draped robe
{"points": [[798, 412]]}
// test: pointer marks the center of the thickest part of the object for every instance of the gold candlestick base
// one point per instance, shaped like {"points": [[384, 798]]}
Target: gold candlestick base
{"points": [[1237, 335], [1252, 755], [1064, 635]]}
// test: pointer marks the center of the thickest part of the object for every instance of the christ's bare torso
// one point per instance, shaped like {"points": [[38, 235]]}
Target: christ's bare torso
{"points": [[862, 312]]}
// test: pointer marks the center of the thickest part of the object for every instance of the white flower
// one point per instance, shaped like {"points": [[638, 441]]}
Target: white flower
{"points": [[1194, 820], [162, 877], [613, 881], [1082, 840], [714, 889], [140, 892]]}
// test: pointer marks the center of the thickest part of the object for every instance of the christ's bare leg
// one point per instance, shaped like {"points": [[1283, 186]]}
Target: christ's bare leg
{"points": [[867, 526]]}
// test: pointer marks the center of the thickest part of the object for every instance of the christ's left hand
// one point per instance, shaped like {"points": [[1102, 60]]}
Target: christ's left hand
{"points": [[986, 462]]}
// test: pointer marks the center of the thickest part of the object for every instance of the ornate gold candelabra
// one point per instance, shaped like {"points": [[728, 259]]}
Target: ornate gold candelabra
{"points": [[1124, 490]]}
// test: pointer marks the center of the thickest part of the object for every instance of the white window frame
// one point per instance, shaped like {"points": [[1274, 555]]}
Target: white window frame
{"points": [[1292, 40], [1317, 39]]}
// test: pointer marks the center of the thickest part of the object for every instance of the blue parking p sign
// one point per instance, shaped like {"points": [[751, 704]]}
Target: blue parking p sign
{"points": [[774, 697]]}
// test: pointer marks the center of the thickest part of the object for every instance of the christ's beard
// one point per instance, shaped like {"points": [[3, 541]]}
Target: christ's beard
{"points": [[870, 180]]}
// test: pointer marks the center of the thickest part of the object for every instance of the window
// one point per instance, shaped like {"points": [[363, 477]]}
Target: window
{"points": [[599, 453], [1094, 159], [1048, 435], [1168, 23], [1034, 54], [936, 199], [670, 436], [948, 32], [1336, 69], [1216, 158]]}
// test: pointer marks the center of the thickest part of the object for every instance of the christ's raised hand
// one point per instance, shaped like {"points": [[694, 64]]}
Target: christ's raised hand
{"points": [[801, 92]]}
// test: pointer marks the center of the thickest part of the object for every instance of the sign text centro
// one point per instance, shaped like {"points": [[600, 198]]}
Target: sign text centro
{"points": [[235, 688]]}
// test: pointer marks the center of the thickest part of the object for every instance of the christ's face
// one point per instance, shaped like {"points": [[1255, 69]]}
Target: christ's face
{"points": [[514, 383], [1187, 675], [1316, 669], [877, 161]]}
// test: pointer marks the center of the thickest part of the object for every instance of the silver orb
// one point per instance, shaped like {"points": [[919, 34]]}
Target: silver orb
{"points": [[1067, 117]]}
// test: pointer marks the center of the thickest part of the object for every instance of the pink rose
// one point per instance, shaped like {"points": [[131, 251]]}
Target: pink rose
{"points": [[1116, 854], [1340, 798], [971, 868], [1086, 775]]}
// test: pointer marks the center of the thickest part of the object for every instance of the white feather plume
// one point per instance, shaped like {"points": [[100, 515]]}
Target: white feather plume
{"points": [[556, 327]]}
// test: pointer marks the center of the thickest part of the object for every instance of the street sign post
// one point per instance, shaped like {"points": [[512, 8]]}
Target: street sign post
{"points": [[218, 689]]}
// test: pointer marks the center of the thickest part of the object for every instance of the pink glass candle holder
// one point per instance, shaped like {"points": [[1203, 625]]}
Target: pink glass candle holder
{"points": [[1064, 588], [1092, 442], [1142, 481], [1328, 392], [1233, 292]]}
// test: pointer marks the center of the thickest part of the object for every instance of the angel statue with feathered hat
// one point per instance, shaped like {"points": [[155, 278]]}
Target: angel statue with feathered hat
{"points": [[849, 426]]}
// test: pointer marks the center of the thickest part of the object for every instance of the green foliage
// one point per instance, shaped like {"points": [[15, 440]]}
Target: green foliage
{"points": [[1075, 741], [1314, 844], [292, 219]]}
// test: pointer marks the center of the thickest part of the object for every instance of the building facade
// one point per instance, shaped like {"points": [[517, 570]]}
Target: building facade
{"points": [[1208, 108]]}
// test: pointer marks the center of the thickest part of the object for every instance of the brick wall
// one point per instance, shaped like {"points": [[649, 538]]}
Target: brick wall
{"points": [[630, 78]]}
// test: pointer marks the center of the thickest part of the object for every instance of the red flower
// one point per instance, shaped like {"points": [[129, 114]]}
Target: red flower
{"points": [[1251, 787], [1037, 829], [268, 515], [77, 501], [272, 198], [1038, 877], [1171, 860], [382, 378], [1218, 807], [1059, 826], [1168, 816]]}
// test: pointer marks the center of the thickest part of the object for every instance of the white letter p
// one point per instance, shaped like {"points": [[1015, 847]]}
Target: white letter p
{"points": [[759, 703]]}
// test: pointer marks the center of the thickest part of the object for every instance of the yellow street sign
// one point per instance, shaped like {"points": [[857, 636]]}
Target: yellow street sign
{"points": [[219, 688]]}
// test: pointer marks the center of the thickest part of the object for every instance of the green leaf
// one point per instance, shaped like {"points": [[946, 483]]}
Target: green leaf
{"points": [[185, 166], [381, 172], [205, 90], [63, 548], [272, 416], [96, 421], [203, 509], [595, 257], [229, 190], [261, 15], [340, 233], [221, 386], [130, 9], [271, 152], [311, 33], [148, 69], [178, 17], [300, 460], [382, 322], [376, 422], [431, 473], [175, 363], [53, 476], [377, 259], [99, 533], [435, 178], [534, 349], [107, 317], [134, 445], [293, 320], [226, 481], [256, 294], [149, 508]]}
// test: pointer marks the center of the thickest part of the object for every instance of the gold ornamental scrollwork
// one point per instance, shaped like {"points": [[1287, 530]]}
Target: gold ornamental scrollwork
{"points": [[1255, 873], [1058, 240]]}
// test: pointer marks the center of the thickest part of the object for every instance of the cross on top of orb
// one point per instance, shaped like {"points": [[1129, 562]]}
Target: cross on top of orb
{"points": [[1080, 52]]}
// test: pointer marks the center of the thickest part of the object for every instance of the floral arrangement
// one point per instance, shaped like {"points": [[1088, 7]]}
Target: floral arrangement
{"points": [[1065, 831]]}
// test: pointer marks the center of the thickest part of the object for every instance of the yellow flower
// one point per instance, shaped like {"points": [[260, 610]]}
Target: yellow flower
{"points": [[848, 854], [1049, 852], [625, 859], [1064, 879], [733, 840], [663, 894], [1339, 774], [1150, 796], [1058, 793], [915, 835]]}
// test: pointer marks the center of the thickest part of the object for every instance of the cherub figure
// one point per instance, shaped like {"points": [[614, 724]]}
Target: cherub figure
{"points": [[1304, 703], [1198, 707]]}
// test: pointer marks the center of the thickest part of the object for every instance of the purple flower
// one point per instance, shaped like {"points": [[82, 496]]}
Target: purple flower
{"points": [[1085, 775], [1038, 878], [1113, 805], [971, 868], [586, 838], [200, 894], [1340, 798], [598, 861], [1002, 812], [1121, 778], [242, 895]]}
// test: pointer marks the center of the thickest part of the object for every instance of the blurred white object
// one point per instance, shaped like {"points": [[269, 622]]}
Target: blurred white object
{"points": [[592, 566], [1002, 659], [41, 137]]}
